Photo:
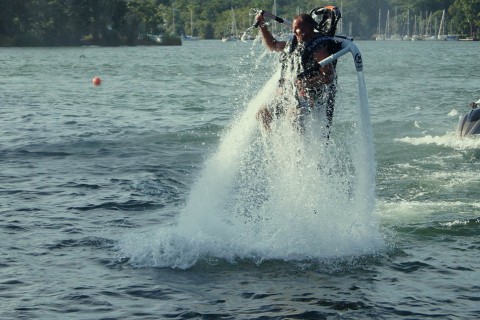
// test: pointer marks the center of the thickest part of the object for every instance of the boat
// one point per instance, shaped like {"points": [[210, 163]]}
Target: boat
{"points": [[387, 26], [416, 36], [448, 36], [159, 39], [394, 30], [233, 32], [428, 36], [452, 37], [379, 36], [190, 37], [229, 38], [469, 123], [441, 30], [407, 36], [166, 39]]}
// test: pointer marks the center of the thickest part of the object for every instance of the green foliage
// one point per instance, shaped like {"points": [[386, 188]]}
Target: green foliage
{"points": [[116, 22], [466, 15]]}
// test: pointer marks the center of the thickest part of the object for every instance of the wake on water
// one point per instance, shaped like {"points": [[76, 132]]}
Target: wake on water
{"points": [[274, 194], [451, 140]]}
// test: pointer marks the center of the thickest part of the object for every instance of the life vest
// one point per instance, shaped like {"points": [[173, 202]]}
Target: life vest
{"points": [[299, 57], [326, 19]]}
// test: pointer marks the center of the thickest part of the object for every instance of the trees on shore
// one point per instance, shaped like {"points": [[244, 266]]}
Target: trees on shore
{"points": [[121, 22]]}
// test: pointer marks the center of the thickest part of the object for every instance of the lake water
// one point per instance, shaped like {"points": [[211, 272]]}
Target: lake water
{"points": [[158, 195]]}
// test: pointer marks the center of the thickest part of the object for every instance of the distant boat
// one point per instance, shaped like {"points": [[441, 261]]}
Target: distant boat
{"points": [[387, 26], [393, 35], [379, 36], [191, 37], [246, 37], [407, 36], [441, 30], [229, 38], [166, 39], [396, 37], [428, 36], [443, 24], [233, 32], [386, 35], [415, 36], [159, 39], [441, 35], [452, 37]]}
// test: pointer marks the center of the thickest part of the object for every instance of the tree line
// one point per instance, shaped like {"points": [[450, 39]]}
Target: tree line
{"points": [[123, 22]]}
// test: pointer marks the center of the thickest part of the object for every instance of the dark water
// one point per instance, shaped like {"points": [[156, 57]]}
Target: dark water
{"points": [[96, 179]]}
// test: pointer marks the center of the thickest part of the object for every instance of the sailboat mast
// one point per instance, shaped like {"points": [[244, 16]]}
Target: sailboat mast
{"points": [[173, 18], [234, 24], [408, 22], [379, 18], [387, 25], [191, 22], [441, 29]]}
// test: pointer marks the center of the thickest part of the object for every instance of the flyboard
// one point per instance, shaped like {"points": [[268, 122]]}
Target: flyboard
{"points": [[322, 15]]}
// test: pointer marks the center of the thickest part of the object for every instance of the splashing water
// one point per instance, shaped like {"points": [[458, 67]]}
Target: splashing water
{"points": [[246, 35], [267, 194]]}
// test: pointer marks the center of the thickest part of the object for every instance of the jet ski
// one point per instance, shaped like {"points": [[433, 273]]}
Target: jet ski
{"points": [[469, 123]]}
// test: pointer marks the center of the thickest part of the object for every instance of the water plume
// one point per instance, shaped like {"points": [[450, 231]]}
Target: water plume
{"points": [[277, 192]]}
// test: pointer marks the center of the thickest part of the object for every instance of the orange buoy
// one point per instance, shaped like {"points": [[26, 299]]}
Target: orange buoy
{"points": [[97, 81]]}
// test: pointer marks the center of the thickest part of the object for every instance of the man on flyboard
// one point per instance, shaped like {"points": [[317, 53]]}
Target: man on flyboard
{"points": [[312, 41]]}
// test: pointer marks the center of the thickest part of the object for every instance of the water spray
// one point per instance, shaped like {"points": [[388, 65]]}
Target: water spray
{"points": [[367, 181]]}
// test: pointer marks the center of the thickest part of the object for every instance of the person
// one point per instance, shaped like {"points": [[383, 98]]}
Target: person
{"points": [[475, 104], [469, 123], [315, 86]]}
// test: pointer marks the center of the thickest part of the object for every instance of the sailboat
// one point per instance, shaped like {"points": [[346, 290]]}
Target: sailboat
{"points": [[416, 36], [407, 35], [190, 37], [441, 31], [388, 35], [442, 35], [166, 39], [395, 35], [233, 32], [379, 36], [428, 34]]}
